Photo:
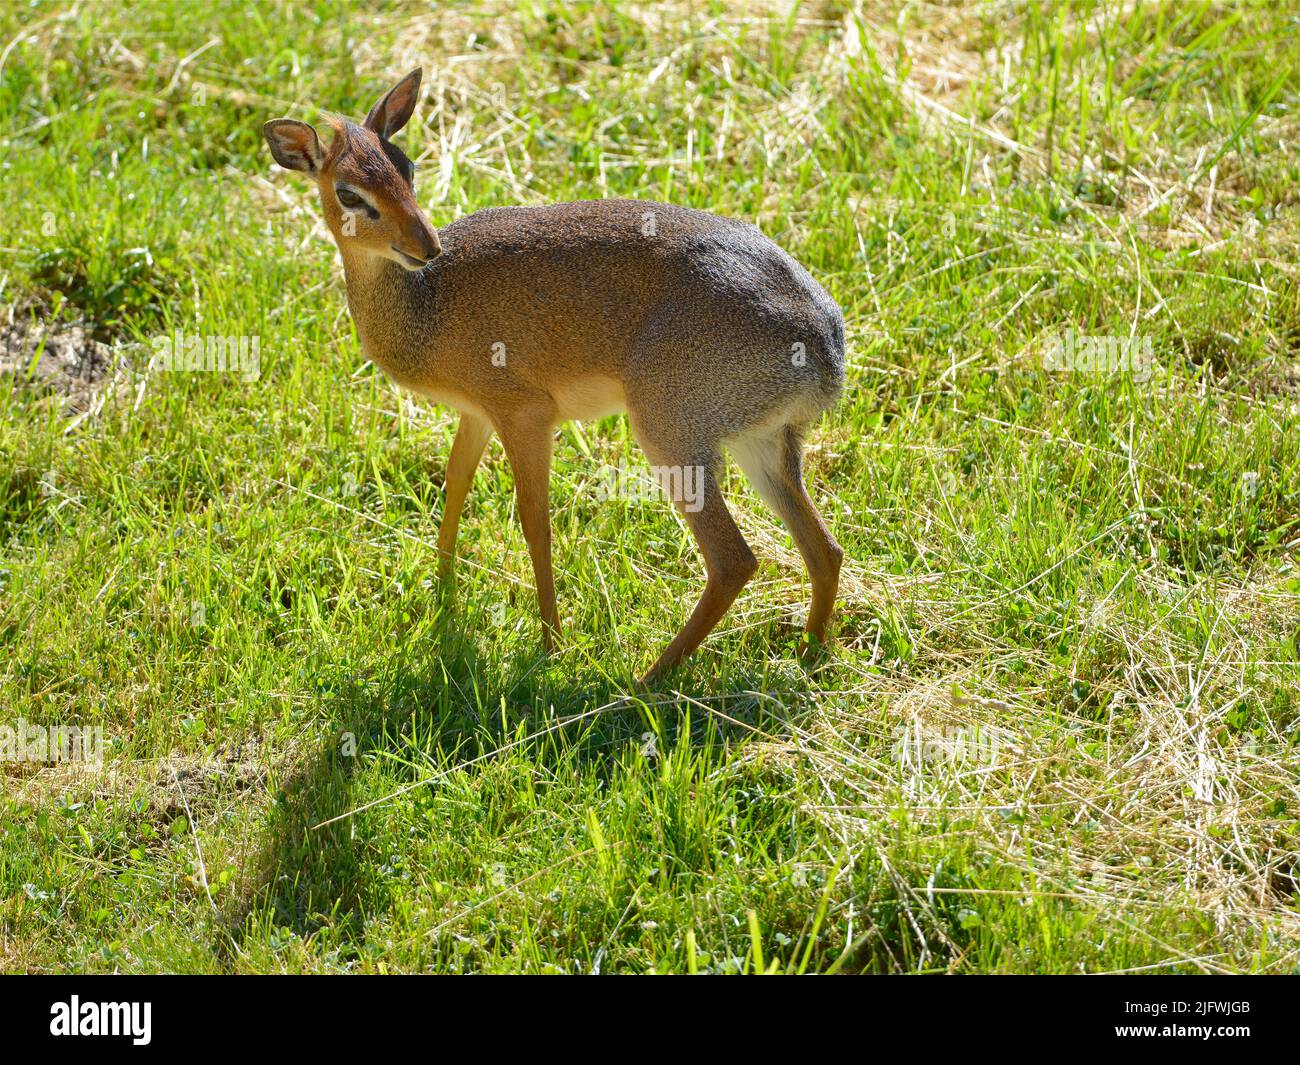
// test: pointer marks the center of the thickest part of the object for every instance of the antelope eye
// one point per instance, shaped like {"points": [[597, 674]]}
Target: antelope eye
{"points": [[348, 198]]}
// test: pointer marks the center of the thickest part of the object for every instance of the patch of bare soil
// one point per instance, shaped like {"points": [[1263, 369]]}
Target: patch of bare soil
{"points": [[154, 787], [71, 363]]}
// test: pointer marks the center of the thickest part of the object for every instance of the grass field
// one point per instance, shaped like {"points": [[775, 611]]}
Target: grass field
{"points": [[1058, 728]]}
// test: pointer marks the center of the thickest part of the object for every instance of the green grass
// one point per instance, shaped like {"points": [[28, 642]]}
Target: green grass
{"points": [[316, 763]]}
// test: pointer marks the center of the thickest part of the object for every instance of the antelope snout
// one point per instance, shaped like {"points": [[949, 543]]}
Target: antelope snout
{"points": [[430, 243], [423, 243], [419, 245]]}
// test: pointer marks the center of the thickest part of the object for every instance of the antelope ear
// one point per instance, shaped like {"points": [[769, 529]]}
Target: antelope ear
{"points": [[394, 110], [294, 145]]}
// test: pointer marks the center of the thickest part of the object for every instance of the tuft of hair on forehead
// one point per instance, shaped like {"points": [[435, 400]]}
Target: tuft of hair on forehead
{"points": [[338, 126], [361, 143]]}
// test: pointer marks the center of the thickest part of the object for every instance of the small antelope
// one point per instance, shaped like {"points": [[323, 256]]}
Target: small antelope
{"points": [[704, 331]]}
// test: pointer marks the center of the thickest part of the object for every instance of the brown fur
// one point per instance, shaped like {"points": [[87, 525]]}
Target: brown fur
{"points": [[705, 331]]}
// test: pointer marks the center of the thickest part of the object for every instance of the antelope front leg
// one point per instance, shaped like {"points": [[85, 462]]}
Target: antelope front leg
{"points": [[472, 436], [527, 439]]}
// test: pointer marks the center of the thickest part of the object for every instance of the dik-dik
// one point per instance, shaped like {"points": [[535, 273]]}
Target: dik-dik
{"points": [[704, 331]]}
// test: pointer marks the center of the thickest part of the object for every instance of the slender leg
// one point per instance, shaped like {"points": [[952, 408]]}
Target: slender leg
{"points": [[774, 465], [728, 562], [472, 436], [527, 440]]}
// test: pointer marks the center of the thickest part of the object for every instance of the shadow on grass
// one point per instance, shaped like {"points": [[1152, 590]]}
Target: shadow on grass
{"points": [[315, 868]]}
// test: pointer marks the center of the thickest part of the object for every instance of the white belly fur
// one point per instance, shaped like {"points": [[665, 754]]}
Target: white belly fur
{"points": [[450, 398], [582, 399], [588, 397]]}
